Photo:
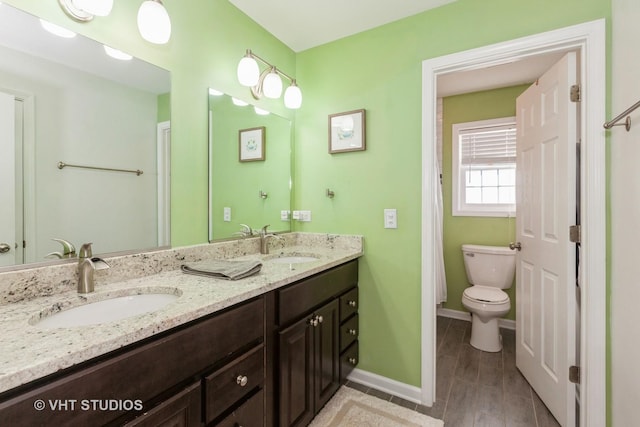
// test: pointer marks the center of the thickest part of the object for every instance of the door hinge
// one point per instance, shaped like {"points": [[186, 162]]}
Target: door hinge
{"points": [[574, 374], [574, 93], [574, 233]]}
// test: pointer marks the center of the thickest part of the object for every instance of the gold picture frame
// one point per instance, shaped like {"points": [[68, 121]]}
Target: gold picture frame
{"points": [[347, 131], [251, 144]]}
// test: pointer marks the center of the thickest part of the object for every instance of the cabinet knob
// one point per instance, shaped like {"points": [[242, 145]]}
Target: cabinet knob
{"points": [[313, 321], [320, 319], [352, 303], [353, 360], [353, 332], [242, 380]]}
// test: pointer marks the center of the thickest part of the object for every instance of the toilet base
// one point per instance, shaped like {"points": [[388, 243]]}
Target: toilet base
{"points": [[485, 335]]}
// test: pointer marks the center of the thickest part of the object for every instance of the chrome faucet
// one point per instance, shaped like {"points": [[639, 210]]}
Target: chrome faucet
{"points": [[264, 239], [86, 266]]}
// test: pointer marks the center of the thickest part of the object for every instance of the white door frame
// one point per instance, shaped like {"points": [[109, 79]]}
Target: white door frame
{"points": [[589, 39], [163, 153]]}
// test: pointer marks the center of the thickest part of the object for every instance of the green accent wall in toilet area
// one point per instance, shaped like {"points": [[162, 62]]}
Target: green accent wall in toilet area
{"points": [[380, 70], [459, 230], [164, 107]]}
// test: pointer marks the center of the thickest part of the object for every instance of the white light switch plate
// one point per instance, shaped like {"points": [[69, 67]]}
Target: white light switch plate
{"points": [[390, 218], [284, 215], [226, 216]]}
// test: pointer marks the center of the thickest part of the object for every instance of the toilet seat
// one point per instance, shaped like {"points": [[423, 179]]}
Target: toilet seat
{"points": [[486, 295]]}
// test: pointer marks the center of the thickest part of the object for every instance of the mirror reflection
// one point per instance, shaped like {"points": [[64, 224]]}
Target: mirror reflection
{"points": [[65, 100], [249, 168]]}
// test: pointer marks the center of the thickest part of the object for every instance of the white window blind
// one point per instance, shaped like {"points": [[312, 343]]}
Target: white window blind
{"points": [[488, 146]]}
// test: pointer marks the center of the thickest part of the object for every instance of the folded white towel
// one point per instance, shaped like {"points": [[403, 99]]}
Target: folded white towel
{"points": [[223, 269]]}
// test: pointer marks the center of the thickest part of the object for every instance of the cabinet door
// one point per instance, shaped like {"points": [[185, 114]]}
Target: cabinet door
{"points": [[296, 374], [327, 353]]}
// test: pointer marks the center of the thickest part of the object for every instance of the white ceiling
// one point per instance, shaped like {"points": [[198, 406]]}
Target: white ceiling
{"points": [[303, 24]]}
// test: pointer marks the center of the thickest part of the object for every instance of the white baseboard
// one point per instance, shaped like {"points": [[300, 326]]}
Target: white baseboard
{"points": [[396, 388], [463, 315]]}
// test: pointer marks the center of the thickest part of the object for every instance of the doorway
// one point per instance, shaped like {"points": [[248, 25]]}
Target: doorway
{"points": [[588, 39]]}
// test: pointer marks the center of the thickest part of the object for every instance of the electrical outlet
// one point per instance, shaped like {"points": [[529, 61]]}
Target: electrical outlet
{"points": [[226, 215], [304, 216], [284, 215], [296, 215]]}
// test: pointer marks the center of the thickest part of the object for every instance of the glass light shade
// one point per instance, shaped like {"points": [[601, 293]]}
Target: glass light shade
{"points": [[95, 7], [293, 97], [215, 92], [117, 54], [57, 30], [248, 72], [260, 111], [154, 23], [272, 85]]}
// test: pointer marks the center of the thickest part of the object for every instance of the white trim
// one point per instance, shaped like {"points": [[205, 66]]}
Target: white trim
{"points": [[387, 385], [463, 315], [163, 141], [590, 39]]}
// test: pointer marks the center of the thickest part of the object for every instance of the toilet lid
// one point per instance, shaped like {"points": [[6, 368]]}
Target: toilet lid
{"points": [[486, 294]]}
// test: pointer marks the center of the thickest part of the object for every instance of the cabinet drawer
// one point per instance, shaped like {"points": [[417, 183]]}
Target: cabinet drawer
{"points": [[249, 414], [348, 361], [232, 382], [348, 304], [348, 332], [183, 409], [300, 298], [132, 375]]}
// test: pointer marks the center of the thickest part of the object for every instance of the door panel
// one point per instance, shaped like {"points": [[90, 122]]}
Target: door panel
{"points": [[546, 203]]}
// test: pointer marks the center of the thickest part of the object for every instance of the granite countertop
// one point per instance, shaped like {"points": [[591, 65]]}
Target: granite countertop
{"points": [[30, 352]]}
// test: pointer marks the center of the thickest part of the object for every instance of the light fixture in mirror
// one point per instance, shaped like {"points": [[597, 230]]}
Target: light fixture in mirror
{"points": [[239, 185], [85, 10], [154, 23], [57, 30], [68, 102]]}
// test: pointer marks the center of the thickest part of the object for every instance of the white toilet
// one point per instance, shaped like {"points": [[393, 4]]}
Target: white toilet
{"points": [[489, 270]]}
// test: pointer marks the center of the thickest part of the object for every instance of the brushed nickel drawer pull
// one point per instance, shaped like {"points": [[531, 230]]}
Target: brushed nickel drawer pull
{"points": [[352, 303], [353, 332], [242, 380], [353, 360]]}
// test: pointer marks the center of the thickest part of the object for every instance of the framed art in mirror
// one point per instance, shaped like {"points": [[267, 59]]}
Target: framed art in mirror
{"points": [[251, 144]]}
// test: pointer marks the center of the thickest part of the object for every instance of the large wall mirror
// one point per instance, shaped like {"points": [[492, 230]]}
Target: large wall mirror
{"points": [[84, 145], [249, 168]]}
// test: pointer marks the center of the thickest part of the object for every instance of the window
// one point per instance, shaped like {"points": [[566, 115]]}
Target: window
{"points": [[484, 168]]}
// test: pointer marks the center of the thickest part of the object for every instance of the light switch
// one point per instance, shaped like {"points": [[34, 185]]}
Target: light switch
{"points": [[390, 218], [305, 216], [284, 215], [226, 215]]}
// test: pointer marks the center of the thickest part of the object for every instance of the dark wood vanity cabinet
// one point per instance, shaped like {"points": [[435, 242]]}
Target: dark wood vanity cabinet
{"points": [[310, 323], [197, 374]]}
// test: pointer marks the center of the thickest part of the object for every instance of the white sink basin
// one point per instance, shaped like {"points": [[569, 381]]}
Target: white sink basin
{"points": [[108, 310], [295, 259]]}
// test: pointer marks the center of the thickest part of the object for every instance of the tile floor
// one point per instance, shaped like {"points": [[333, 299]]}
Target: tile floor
{"points": [[475, 388]]}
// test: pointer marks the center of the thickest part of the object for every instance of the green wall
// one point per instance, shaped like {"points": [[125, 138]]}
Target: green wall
{"points": [[459, 230], [380, 70]]}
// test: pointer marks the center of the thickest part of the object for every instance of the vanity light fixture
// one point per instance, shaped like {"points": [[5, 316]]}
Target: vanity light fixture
{"points": [[260, 111], [215, 92], [117, 54], [154, 23], [85, 10], [57, 30], [268, 82]]}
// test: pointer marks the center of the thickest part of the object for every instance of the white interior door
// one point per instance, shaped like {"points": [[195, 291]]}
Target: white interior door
{"points": [[7, 180], [546, 207]]}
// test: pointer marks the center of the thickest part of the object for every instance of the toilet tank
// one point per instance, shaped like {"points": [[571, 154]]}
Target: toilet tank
{"points": [[493, 266]]}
